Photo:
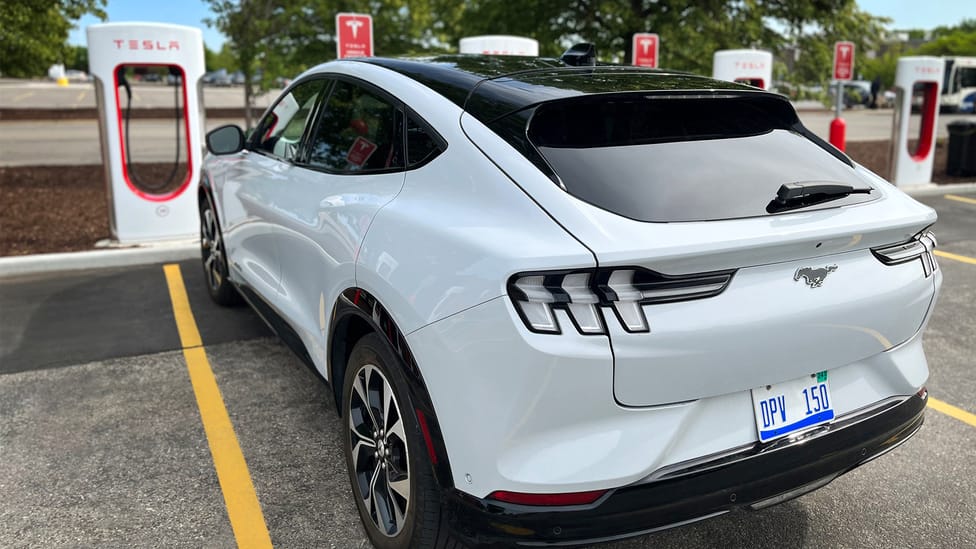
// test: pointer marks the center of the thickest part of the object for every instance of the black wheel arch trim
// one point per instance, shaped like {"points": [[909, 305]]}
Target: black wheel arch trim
{"points": [[357, 304], [205, 189]]}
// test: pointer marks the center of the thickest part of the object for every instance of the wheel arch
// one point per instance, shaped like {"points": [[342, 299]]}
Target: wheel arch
{"points": [[358, 313], [205, 192]]}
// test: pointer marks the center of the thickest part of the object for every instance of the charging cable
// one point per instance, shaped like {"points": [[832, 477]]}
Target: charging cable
{"points": [[155, 187]]}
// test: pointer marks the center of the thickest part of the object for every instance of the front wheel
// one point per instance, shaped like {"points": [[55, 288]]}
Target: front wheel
{"points": [[392, 480], [214, 259]]}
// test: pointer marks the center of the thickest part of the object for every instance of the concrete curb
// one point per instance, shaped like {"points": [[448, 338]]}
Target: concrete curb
{"points": [[162, 252]]}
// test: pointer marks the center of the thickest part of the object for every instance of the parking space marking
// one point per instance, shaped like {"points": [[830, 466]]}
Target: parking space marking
{"points": [[25, 95], [957, 257], [243, 508], [958, 198], [952, 411], [81, 96]]}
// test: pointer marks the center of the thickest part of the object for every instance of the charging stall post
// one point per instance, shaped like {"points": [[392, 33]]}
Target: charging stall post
{"points": [[753, 67], [499, 44], [918, 83], [151, 196]]}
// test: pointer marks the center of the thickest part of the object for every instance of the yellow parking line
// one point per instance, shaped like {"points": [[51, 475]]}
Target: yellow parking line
{"points": [[24, 95], [81, 96], [243, 508], [952, 411], [958, 198], [957, 257]]}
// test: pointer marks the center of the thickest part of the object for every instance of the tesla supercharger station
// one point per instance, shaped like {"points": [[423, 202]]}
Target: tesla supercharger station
{"points": [[135, 65], [918, 82], [498, 44], [753, 67]]}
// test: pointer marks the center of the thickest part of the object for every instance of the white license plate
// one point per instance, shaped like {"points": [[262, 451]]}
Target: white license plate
{"points": [[792, 406]]}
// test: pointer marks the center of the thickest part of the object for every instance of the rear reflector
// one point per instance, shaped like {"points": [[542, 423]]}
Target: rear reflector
{"points": [[422, 420], [552, 500]]}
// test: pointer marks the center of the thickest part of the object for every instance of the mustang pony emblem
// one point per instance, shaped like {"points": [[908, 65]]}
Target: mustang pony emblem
{"points": [[814, 277]]}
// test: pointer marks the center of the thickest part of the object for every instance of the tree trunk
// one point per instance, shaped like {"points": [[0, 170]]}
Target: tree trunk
{"points": [[248, 101]]}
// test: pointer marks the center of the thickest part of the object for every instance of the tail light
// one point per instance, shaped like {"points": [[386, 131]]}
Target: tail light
{"points": [[586, 294], [920, 247]]}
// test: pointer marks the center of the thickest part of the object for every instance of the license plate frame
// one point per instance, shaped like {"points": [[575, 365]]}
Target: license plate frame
{"points": [[786, 408]]}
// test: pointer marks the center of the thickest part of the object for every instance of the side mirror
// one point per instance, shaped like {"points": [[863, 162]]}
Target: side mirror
{"points": [[227, 139]]}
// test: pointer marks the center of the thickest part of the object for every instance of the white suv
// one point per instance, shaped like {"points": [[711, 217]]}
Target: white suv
{"points": [[565, 304]]}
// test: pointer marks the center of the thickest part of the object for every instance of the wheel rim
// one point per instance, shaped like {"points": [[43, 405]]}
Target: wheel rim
{"points": [[213, 249], [379, 450]]}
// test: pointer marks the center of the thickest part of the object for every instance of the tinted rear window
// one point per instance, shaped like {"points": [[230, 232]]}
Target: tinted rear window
{"points": [[682, 158]]}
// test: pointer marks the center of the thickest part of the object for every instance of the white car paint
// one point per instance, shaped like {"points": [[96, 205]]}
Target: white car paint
{"points": [[532, 412]]}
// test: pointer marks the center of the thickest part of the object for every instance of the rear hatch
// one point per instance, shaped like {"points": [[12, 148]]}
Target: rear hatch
{"points": [[734, 247]]}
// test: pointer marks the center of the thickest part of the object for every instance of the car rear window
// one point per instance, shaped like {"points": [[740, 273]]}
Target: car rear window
{"points": [[683, 158]]}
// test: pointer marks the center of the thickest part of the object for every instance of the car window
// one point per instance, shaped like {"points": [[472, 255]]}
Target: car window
{"points": [[421, 144], [359, 131], [280, 132], [683, 159]]}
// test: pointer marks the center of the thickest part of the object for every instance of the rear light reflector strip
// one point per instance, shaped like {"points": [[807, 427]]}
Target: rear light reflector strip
{"points": [[554, 500]]}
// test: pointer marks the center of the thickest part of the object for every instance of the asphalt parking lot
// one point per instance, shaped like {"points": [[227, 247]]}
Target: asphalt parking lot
{"points": [[114, 432]]}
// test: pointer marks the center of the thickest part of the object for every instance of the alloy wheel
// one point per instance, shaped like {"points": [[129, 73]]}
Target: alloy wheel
{"points": [[213, 249], [379, 450]]}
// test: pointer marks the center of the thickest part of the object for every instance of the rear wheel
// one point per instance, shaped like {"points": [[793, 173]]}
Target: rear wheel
{"points": [[391, 476], [214, 259]]}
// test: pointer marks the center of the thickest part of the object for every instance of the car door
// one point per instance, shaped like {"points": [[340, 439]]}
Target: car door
{"points": [[251, 196], [353, 165]]}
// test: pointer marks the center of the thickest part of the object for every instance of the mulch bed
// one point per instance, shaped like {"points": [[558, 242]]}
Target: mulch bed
{"points": [[64, 208]]}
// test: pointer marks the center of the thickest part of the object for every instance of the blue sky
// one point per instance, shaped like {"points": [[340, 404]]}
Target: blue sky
{"points": [[921, 14], [180, 12], [907, 14]]}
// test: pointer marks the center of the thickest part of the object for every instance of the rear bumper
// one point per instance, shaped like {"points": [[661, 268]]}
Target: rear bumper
{"points": [[752, 478]]}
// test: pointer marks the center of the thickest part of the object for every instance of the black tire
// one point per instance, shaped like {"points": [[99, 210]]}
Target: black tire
{"points": [[214, 258], [395, 471]]}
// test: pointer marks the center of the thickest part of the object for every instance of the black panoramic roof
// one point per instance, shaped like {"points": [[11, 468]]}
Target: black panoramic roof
{"points": [[490, 87]]}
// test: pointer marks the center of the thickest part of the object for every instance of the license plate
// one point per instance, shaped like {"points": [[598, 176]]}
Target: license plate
{"points": [[792, 406]]}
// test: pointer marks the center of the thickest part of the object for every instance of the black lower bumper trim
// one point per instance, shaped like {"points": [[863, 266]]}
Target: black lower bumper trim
{"points": [[757, 478]]}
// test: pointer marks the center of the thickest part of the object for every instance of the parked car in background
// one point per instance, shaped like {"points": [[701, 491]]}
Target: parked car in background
{"points": [[856, 93], [219, 78], [560, 303], [74, 75], [56, 72]]}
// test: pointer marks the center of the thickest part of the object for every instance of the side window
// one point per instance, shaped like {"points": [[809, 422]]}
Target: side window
{"points": [[280, 131], [421, 145], [359, 131]]}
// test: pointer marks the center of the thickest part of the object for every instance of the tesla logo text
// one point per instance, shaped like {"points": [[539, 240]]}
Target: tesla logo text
{"points": [[749, 65], [354, 24], [173, 45], [814, 277], [928, 70], [646, 43]]}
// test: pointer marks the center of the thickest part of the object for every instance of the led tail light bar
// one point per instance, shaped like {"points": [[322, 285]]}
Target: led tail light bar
{"points": [[585, 294], [920, 247]]}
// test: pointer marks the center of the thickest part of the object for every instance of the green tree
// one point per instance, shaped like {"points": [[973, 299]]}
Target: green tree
{"points": [[279, 38], [76, 57], [34, 33], [690, 30], [958, 40], [253, 28]]}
